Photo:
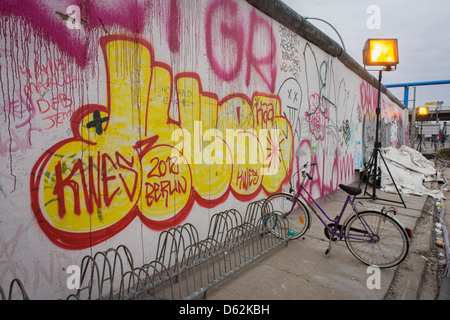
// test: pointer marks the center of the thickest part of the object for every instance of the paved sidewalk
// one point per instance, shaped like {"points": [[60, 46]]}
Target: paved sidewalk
{"points": [[301, 270]]}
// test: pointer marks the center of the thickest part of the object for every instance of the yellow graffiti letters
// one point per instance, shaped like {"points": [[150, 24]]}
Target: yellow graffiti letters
{"points": [[131, 158]]}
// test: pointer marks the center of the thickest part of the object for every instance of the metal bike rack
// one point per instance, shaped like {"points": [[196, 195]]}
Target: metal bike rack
{"points": [[185, 266], [11, 295]]}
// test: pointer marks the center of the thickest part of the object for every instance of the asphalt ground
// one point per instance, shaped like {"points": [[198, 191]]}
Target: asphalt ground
{"points": [[301, 270]]}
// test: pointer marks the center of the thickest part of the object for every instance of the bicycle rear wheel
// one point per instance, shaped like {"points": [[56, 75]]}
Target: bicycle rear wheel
{"points": [[286, 216], [376, 239]]}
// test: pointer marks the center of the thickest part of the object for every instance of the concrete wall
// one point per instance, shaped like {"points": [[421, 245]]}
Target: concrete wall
{"points": [[92, 119]]}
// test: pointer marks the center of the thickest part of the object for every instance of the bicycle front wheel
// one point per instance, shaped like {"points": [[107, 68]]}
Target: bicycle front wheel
{"points": [[285, 215], [376, 239]]}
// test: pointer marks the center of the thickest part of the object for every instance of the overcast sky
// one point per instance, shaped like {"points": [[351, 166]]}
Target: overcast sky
{"points": [[421, 27]]}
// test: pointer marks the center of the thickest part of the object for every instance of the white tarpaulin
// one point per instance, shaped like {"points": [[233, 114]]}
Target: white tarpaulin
{"points": [[409, 169]]}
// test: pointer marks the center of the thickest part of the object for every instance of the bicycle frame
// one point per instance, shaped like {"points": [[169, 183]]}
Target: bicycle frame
{"points": [[334, 231], [372, 236]]}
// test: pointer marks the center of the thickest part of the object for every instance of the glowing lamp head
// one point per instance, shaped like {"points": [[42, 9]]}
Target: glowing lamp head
{"points": [[422, 111], [380, 52]]}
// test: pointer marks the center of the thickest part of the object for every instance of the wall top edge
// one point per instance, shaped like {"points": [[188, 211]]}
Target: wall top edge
{"points": [[282, 13]]}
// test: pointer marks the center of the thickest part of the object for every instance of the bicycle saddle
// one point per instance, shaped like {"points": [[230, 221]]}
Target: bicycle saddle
{"points": [[354, 191]]}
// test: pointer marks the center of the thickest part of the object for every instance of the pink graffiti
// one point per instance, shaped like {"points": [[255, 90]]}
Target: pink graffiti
{"points": [[173, 26], [226, 51], [369, 97], [42, 76], [14, 143], [130, 15], [325, 180], [264, 65], [317, 116], [230, 41], [18, 114], [21, 110]]}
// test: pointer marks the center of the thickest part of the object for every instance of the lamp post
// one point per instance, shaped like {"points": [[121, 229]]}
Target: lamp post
{"points": [[379, 53]]}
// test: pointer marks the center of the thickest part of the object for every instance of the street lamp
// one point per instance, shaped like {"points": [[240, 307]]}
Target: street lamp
{"points": [[379, 53], [421, 113]]}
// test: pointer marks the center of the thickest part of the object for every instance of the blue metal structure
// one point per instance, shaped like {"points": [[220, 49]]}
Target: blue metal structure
{"points": [[415, 84]]}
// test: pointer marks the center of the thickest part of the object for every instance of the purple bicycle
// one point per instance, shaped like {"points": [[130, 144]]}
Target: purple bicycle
{"points": [[373, 237]]}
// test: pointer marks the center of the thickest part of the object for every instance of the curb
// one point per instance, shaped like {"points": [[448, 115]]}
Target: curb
{"points": [[421, 276], [409, 277]]}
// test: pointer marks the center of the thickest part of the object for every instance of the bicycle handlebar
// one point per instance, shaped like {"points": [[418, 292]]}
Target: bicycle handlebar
{"points": [[304, 169], [303, 172]]}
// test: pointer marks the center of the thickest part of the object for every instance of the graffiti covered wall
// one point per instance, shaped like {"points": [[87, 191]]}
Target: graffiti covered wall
{"points": [[124, 119]]}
